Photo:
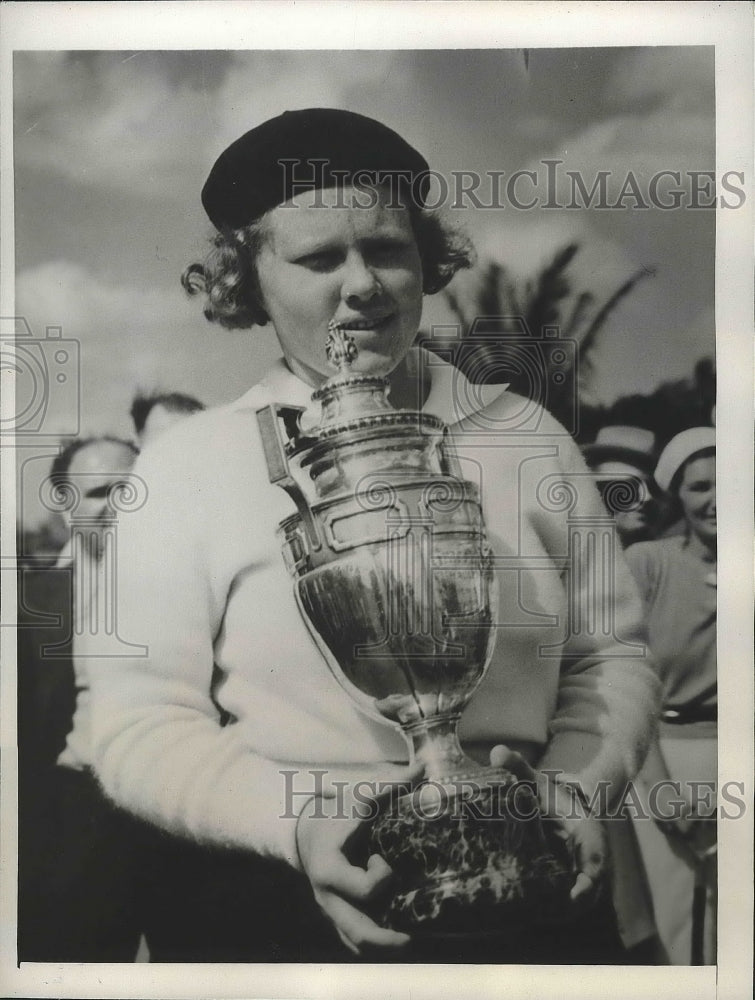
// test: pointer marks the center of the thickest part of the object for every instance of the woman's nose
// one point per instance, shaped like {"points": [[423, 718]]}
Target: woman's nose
{"points": [[360, 283]]}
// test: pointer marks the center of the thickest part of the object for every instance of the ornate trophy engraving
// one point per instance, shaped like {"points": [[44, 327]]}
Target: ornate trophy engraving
{"points": [[393, 574]]}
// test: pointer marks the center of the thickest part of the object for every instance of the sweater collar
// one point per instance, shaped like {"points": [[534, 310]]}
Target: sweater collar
{"points": [[451, 398]]}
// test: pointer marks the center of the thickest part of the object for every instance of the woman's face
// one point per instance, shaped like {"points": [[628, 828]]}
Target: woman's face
{"points": [[697, 494], [325, 258]]}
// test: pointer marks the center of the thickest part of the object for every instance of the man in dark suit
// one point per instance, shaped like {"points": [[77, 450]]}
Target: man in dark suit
{"points": [[76, 897]]}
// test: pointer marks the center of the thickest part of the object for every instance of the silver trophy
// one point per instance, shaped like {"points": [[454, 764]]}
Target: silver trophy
{"points": [[393, 575]]}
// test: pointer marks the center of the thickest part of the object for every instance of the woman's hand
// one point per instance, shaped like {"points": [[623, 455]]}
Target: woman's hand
{"points": [[582, 832], [343, 890]]}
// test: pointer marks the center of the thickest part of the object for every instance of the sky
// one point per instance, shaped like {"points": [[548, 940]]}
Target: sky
{"points": [[112, 148]]}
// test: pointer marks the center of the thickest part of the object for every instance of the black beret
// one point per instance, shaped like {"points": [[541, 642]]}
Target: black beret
{"points": [[274, 161]]}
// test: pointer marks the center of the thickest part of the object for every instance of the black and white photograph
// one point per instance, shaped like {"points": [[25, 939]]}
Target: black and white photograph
{"points": [[367, 371]]}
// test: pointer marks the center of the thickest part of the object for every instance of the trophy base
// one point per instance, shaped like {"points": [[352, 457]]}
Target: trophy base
{"points": [[474, 857]]}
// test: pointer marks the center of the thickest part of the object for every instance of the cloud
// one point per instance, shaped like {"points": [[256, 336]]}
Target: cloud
{"points": [[130, 123], [680, 79], [134, 336], [63, 293], [97, 121], [630, 167], [259, 85], [657, 114], [641, 145]]}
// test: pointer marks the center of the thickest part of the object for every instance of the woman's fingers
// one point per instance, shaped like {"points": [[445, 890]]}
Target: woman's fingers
{"points": [[341, 889], [332, 872], [360, 933], [501, 756], [584, 835], [582, 888], [589, 880], [379, 869], [589, 847]]}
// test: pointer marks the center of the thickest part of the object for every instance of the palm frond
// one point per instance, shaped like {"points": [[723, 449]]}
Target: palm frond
{"points": [[543, 300], [551, 288], [489, 296], [578, 314], [588, 340]]}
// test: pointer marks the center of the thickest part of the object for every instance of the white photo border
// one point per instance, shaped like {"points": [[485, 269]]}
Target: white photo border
{"points": [[407, 25]]}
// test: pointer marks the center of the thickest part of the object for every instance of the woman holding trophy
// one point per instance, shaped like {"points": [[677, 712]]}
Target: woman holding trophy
{"points": [[232, 732]]}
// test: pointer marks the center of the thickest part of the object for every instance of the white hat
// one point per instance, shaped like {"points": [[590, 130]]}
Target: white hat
{"points": [[681, 448], [634, 446]]}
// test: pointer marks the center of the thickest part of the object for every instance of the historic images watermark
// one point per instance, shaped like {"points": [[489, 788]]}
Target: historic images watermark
{"points": [[544, 365], [43, 420], [91, 508], [415, 566], [546, 185], [46, 376], [460, 798]]}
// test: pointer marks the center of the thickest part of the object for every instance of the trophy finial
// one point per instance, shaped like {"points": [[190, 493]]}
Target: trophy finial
{"points": [[340, 348]]}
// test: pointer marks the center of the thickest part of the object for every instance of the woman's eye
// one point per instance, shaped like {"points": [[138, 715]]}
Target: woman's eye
{"points": [[322, 261], [387, 253]]}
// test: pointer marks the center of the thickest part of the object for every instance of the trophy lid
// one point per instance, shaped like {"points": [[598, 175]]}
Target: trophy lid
{"points": [[352, 400]]}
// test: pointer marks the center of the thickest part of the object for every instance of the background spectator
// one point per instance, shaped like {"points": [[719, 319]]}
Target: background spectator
{"points": [[154, 414], [619, 452], [677, 579], [80, 859]]}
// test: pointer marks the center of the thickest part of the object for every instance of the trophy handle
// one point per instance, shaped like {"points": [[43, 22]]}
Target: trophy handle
{"points": [[272, 420]]}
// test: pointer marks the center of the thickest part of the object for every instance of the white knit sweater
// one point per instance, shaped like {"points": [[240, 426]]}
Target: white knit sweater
{"points": [[202, 582]]}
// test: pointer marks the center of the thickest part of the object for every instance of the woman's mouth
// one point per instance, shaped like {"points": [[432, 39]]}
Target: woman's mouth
{"points": [[360, 324]]}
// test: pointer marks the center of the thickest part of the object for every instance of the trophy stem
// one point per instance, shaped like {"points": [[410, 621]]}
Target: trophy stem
{"points": [[435, 744]]}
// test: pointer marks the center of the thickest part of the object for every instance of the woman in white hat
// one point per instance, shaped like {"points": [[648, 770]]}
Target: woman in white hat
{"points": [[677, 578]]}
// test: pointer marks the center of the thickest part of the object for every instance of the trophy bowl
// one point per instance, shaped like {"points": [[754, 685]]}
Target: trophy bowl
{"points": [[394, 576]]}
